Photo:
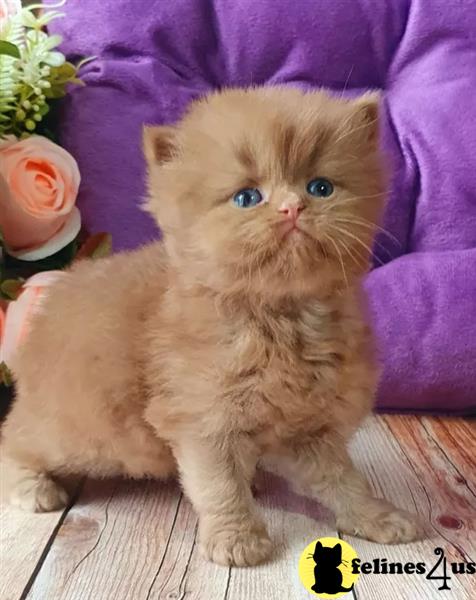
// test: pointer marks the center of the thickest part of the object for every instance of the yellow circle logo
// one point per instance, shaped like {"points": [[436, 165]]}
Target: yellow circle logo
{"points": [[325, 568]]}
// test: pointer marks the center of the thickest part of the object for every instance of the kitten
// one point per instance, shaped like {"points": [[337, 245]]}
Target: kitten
{"points": [[240, 336]]}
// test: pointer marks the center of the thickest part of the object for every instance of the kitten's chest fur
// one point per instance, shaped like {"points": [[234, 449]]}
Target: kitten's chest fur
{"points": [[284, 369], [269, 373]]}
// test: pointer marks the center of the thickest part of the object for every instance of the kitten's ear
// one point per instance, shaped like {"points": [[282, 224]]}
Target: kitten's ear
{"points": [[160, 144], [318, 545], [338, 550], [366, 116]]}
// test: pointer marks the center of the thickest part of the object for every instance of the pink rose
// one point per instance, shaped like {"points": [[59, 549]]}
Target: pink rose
{"points": [[14, 323], [39, 183], [8, 8]]}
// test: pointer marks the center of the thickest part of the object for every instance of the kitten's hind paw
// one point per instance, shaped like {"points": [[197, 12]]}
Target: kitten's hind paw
{"points": [[38, 493]]}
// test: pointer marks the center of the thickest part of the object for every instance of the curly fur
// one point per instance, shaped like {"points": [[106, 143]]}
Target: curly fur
{"points": [[229, 341]]}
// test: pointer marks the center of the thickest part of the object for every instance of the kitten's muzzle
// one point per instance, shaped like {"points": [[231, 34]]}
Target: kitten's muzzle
{"points": [[291, 209]]}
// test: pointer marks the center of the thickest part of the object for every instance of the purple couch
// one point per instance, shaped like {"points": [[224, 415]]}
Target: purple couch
{"points": [[154, 56]]}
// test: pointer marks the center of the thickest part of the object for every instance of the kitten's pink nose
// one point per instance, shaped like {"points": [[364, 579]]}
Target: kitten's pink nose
{"points": [[291, 209]]}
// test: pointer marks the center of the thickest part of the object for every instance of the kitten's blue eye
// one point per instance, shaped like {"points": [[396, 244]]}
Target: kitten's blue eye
{"points": [[321, 188], [247, 197]]}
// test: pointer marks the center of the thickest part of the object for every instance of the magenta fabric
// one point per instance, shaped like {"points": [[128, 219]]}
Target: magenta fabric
{"points": [[155, 56]]}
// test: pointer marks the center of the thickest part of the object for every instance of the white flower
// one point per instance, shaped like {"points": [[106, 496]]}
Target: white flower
{"points": [[8, 8]]}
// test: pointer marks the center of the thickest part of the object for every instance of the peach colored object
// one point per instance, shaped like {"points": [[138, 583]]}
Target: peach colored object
{"points": [[39, 183], [14, 323], [221, 343], [8, 8]]}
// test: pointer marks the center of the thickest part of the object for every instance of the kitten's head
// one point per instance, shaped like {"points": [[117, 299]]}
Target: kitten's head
{"points": [[269, 190]]}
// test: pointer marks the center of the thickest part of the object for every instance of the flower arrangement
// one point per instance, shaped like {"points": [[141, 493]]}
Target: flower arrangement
{"points": [[40, 225], [32, 70]]}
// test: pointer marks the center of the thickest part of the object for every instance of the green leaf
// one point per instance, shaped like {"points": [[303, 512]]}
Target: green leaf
{"points": [[55, 91], [7, 107], [44, 110], [9, 49], [65, 71], [5, 375], [98, 245], [11, 288]]}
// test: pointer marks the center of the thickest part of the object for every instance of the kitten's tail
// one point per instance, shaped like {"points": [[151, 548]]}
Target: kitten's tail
{"points": [[343, 589]]}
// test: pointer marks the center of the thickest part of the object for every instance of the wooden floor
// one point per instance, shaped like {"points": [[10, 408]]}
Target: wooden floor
{"points": [[121, 540]]}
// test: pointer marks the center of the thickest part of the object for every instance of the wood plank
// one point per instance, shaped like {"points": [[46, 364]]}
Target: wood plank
{"points": [[108, 532], [24, 538], [456, 440], [183, 571], [137, 540], [111, 543], [403, 463], [144, 531], [18, 560]]}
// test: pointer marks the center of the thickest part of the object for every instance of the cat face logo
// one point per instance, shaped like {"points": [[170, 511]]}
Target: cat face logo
{"points": [[325, 568]]}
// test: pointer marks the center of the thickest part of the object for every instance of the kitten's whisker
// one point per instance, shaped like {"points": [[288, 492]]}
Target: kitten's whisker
{"points": [[339, 203], [324, 252], [344, 124], [259, 262], [358, 240], [363, 126], [374, 241], [334, 208], [250, 266], [346, 82], [355, 238], [354, 255], [341, 260], [371, 224]]}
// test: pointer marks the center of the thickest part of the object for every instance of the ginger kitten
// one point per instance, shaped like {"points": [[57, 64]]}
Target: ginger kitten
{"points": [[241, 336]]}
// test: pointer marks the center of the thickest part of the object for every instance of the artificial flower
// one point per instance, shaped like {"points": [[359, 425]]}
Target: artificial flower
{"points": [[8, 9], [39, 184], [15, 321]]}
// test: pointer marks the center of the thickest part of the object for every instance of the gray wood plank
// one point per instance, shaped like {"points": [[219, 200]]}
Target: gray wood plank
{"points": [[111, 543], [25, 539], [126, 540], [184, 573], [405, 466]]}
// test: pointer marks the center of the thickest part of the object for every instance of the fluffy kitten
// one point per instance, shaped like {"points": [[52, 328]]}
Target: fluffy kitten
{"points": [[240, 336]]}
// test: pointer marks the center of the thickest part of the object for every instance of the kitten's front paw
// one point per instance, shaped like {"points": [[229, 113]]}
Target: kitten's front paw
{"points": [[38, 493], [390, 526], [240, 547]]}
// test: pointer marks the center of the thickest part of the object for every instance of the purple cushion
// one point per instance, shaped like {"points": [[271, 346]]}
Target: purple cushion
{"points": [[155, 56]]}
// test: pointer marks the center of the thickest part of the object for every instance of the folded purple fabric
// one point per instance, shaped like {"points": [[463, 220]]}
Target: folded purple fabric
{"points": [[155, 56]]}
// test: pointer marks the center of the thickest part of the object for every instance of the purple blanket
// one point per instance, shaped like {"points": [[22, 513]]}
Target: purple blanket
{"points": [[155, 56]]}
